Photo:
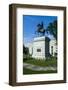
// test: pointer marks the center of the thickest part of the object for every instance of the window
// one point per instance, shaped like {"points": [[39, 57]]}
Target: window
{"points": [[38, 50], [52, 50], [55, 54]]}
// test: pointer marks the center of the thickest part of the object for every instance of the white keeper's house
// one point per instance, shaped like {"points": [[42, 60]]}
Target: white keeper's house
{"points": [[43, 47]]}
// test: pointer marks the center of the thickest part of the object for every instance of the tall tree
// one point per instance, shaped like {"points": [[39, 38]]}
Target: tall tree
{"points": [[25, 50], [52, 29]]}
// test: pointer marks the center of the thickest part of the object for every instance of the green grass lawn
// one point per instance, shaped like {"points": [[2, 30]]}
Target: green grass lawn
{"points": [[28, 71], [47, 62]]}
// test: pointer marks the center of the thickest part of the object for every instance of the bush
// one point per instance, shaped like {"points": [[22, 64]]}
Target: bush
{"points": [[27, 57]]}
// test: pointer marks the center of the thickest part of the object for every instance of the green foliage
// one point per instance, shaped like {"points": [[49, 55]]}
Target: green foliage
{"points": [[25, 50], [26, 57], [52, 29], [25, 53], [48, 62]]}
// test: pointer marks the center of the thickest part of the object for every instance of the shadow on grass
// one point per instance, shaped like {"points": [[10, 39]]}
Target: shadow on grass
{"points": [[28, 72]]}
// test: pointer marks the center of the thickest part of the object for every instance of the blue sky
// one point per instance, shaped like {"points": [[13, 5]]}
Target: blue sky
{"points": [[30, 25]]}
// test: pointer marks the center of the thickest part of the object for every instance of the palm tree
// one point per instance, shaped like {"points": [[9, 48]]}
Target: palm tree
{"points": [[52, 29]]}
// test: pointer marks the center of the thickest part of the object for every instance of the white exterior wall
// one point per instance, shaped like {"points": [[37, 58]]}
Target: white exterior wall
{"points": [[53, 43], [30, 48], [39, 45], [44, 45]]}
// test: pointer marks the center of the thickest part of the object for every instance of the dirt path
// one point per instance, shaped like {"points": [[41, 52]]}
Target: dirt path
{"points": [[38, 68]]}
